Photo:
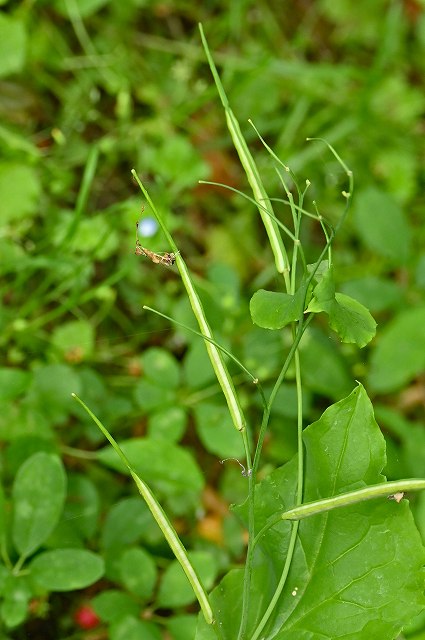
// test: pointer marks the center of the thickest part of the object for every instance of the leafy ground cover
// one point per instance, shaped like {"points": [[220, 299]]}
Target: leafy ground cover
{"points": [[91, 89]]}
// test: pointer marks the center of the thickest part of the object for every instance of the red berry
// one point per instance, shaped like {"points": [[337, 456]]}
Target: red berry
{"points": [[85, 617]]}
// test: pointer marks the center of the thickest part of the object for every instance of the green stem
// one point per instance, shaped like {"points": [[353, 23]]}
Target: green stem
{"points": [[214, 353], [161, 519], [277, 593], [214, 342], [263, 208], [83, 194], [372, 492], [384, 489], [264, 424], [250, 168]]}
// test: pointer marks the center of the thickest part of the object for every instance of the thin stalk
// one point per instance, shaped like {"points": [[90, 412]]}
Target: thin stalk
{"points": [[277, 593], [250, 168], [83, 194], [201, 335], [162, 520], [214, 353], [314, 216], [293, 353], [388, 490], [300, 475], [19, 564], [384, 489], [299, 498], [258, 205], [264, 424], [78, 453]]}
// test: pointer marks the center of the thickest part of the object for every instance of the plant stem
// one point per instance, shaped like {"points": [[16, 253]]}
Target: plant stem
{"points": [[161, 519], [372, 492], [384, 489], [251, 171], [214, 353]]}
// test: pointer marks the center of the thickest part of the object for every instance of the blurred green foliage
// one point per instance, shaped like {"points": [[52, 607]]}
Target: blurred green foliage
{"points": [[90, 89]]}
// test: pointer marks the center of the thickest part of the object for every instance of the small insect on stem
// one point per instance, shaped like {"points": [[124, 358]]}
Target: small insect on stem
{"points": [[398, 497], [245, 472], [167, 259]]}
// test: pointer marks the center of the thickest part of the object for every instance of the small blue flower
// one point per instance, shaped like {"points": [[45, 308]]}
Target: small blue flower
{"points": [[147, 227]]}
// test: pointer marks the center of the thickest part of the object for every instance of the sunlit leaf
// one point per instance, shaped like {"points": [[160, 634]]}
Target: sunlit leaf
{"points": [[38, 498], [356, 571], [274, 310], [347, 317], [382, 225], [66, 569], [400, 351]]}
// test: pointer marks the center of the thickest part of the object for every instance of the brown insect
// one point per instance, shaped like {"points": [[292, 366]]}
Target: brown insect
{"points": [[398, 497], [167, 259]]}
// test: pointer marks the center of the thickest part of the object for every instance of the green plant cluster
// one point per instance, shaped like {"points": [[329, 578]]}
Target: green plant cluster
{"points": [[90, 89]]}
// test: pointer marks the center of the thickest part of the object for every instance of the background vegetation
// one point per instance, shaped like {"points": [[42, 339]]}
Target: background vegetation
{"points": [[90, 89]]}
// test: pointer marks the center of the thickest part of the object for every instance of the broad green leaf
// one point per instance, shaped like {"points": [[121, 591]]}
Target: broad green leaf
{"points": [[127, 522], [131, 628], [19, 192], [273, 310], [197, 368], [111, 605], [138, 572], [167, 468], [182, 627], [82, 505], [351, 320], [357, 571], [17, 593], [51, 390], [227, 285], [66, 569], [226, 599], [377, 294], [409, 453], [161, 368], [74, 340], [285, 403], [323, 293], [13, 42], [399, 354], [92, 237], [169, 424], [65, 536], [23, 420], [13, 382], [38, 497], [382, 225], [347, 317], [169, 157], [319, 271], [261, 352], [23, 447], [149, 395], [216, 432], [398, 168], [324, 369], [175, 589]]}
